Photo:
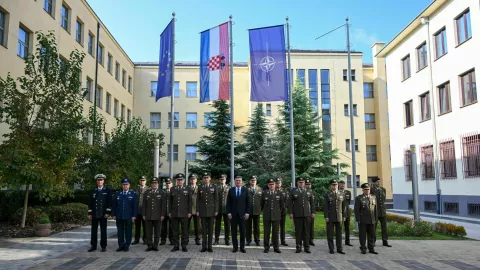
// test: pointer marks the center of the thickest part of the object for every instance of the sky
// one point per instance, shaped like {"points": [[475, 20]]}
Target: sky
{"points": [[137, 24]]}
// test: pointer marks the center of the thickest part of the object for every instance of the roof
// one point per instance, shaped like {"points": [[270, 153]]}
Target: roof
{"points": [[322, 51], [368, 65], [184, 64], [411, 27]]}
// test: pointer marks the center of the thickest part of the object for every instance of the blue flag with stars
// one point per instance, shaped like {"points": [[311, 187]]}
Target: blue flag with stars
{"points": [[165, 65]]}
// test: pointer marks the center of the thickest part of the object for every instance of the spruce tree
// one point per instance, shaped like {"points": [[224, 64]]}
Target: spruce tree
{"points": [[257, 158], [313, 154], [215, 147]]}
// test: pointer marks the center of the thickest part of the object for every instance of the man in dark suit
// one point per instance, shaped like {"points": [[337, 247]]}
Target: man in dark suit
{"points": [[238, 204], [99, 208], [124, 211]]}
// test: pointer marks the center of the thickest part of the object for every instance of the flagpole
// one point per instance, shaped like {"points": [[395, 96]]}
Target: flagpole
{"points": [[232, 123], [290, 97], [172, 114]]}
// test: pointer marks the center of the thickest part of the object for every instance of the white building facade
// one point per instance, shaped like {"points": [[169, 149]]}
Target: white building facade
{"points": [[433, 104]]}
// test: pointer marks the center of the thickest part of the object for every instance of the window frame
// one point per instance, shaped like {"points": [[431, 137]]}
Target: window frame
{"points": [[355, 110], [124, 78], [117, 71], [442, 33], [65, 19], [90, 44], [175, 153], [100, 54], [471, 152], [176, 122], [108, 103], [473, 90], [189, 91], [427, 164], [122, 112], [191, 124], [52, 7], [110, 64], [371, 155], [3, 27], [129, 115], [99, 96], [176, 90], [154, 121], [115, 108], [448, 161], [368, 91], [419, 51], [467, 25], [79, 27], [425, 115], [129, 84], [89, 88], [188, 155], [152, 94], [268, 109], [405, 116], [446, 92], [369, 123], [406, 64], [352, 75], [346, 111], [24, 44]]}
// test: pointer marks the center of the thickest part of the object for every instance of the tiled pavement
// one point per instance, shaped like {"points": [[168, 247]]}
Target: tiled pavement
{"points": [[70, 252]]}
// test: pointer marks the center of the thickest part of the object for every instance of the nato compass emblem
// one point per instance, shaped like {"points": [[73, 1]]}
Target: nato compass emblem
{"points": [[267, 64]]}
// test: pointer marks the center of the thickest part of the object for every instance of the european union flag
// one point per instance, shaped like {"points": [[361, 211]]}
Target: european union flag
{"points": [[268, 64], [165, 65]]}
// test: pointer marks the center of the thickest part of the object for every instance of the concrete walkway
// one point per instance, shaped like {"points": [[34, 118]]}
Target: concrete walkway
{"points": [[472, 226]]}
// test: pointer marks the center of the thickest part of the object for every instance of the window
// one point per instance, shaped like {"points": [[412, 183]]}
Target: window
{"points": [[430, 206], [3, 22], [208, 119], [268, 109], [175, 152], [90, 44], [117, 71], [155, 120], [109, 63], [410, 204], [129, 84], [176, 119], [191, 120], [124, 78], [428, 172], [101, 49], [371, 153], [176, 89], [122, 112], [23, 43], [356, 145], [355, 110], [129, 115], [464, 29], [425, 107], [406, 67], [313, 90], [153, 88], [368, 90], [191, 89], [408, 109], [422, 56], [444, 98], [450, 208], [65, 17], [89, 89], [345, 76], [448, 167], [348, 145], [407, 165], [108, 104], [440, 43], [473, 210], [349, 181], [469, 88], [48, 6], [79, 32], [99, 96], [345, 109], [301, 76], [191, 153], [471, 155], [369, 121], [115, 108]]}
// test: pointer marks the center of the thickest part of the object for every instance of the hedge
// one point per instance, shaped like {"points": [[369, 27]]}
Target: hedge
{"points": [[33, 216], [75, 213], [450, 229]]}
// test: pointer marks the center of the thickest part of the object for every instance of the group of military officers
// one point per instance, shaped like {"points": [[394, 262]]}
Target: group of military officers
{"points": [[162, 212]]}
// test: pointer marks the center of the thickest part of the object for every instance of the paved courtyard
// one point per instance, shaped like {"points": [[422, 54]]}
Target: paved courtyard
{"points": [[68, 250]]}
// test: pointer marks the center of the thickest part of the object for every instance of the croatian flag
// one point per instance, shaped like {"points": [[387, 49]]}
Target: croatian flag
{"points": [[214, 64]]}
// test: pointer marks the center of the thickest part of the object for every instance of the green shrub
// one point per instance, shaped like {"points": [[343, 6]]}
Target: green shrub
{"points": [[450, 229], [398, 218], [44, 220], [33, 216], [422, 228], [75, 213]]}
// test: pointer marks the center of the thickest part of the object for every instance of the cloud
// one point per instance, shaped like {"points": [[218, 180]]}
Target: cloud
{"points": [[362, 37]]}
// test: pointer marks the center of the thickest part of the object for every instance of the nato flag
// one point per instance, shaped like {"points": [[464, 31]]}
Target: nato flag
{"points": [[165, 65], [268, 64]]}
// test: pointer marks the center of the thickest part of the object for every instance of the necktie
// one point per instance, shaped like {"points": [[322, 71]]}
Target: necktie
{"points": [[238, 192]]}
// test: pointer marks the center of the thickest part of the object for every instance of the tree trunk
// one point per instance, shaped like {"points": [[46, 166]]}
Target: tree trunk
{"points": [[25, 204]]}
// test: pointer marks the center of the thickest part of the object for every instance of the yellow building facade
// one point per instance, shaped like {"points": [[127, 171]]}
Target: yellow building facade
{"points": [[126, 88]]}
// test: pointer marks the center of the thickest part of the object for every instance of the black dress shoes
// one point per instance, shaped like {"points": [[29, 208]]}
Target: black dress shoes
{"points": [[125, 249], [348, 244], [104, 249], [234, 250], [203, 250], [119, 249], [243, 250], [312, 244], [155, 249], [215, 243], [175, 249], [265, 251], [332, 252], [92, 249], [341, 252], [364, 252], [135, 242], [373, 252], [284, 244], [277, 251], [184, 249], [149, 249], [307, 251], [210, 250], [227, 242]]}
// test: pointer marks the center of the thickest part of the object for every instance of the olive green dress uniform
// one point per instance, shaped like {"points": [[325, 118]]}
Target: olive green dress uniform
{"points": [[154, 208], [139, 222], [254, 218], [380, 194], [180, 207], [301, 206], [346, 223], [272, 204], [366, 213], [167, 221], [207, 206], [312, 220], [222, 214], [283, 215], [334, 210], [196, 220]]}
